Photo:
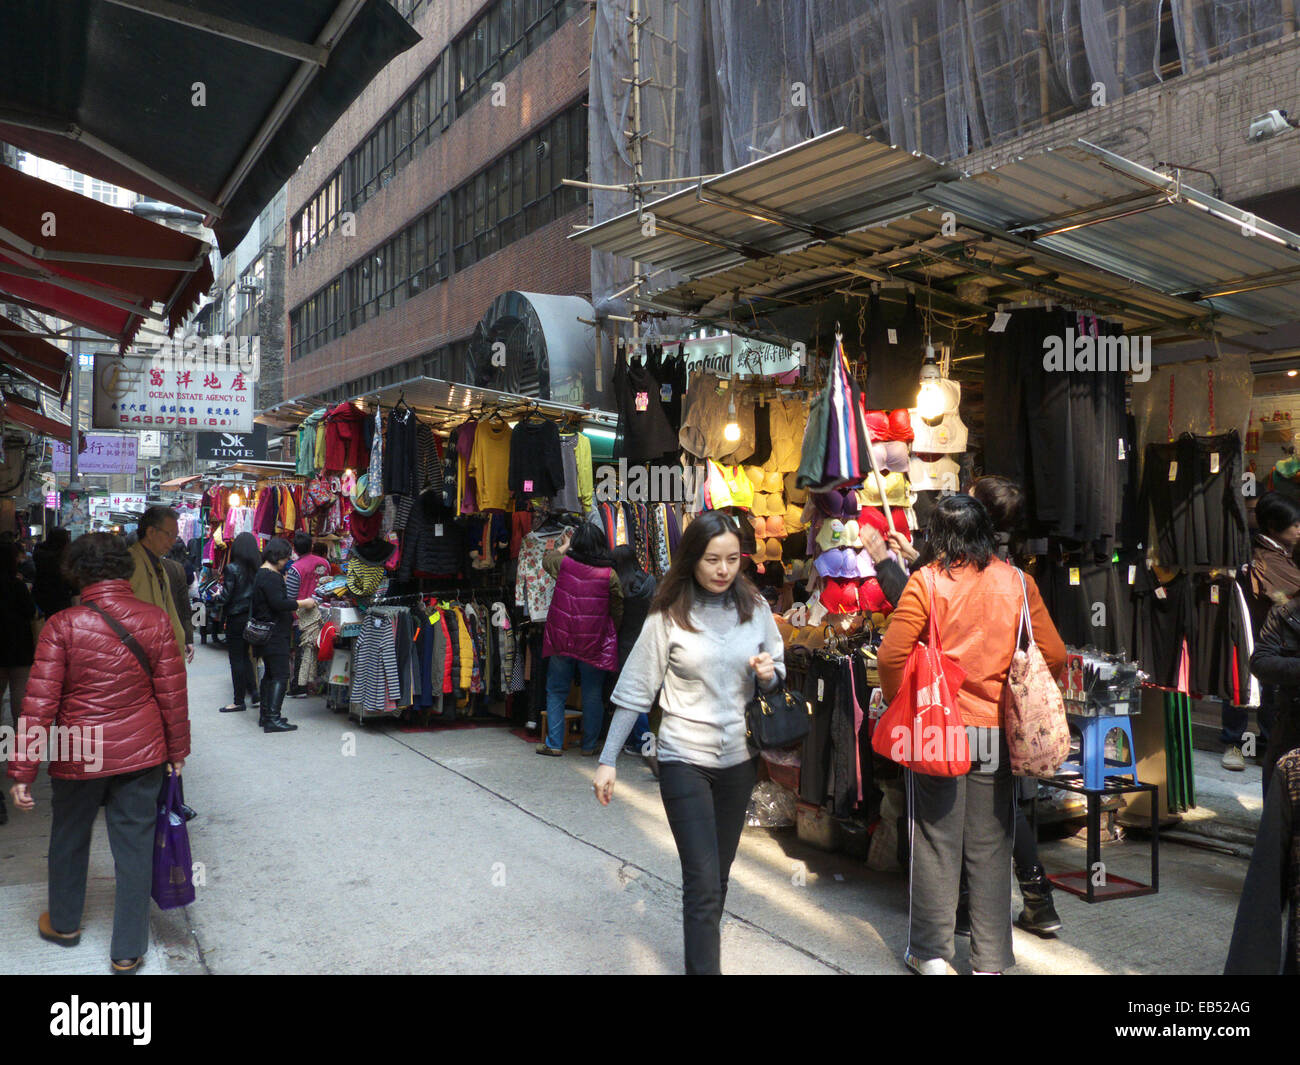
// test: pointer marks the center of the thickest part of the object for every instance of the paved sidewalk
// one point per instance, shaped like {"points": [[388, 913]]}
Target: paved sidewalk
{"points": [[343, 848]]}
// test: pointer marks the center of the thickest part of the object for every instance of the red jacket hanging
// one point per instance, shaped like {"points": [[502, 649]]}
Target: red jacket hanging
{"points": [[345, 439]]}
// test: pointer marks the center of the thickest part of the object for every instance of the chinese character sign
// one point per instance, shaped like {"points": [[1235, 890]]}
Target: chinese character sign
{"points": [[133, 392], [103, 454]]}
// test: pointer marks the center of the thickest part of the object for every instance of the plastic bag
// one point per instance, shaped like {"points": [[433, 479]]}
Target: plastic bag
{"points": [[771, 806]]}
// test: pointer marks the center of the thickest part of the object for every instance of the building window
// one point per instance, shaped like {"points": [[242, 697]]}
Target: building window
{"points": [[319, 217], [510, 198], [317, 321]]}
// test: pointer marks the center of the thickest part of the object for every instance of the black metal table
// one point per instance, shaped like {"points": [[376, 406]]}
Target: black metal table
{"points": [[1083, 884]]}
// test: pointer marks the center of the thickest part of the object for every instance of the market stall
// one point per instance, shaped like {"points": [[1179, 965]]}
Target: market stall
{"points": [[1004, 323]]}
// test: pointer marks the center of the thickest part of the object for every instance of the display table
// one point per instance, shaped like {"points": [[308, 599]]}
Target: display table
{"points": [[1111, 887]]}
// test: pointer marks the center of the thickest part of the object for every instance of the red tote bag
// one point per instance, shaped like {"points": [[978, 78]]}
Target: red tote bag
{"points": [[923, 729]]}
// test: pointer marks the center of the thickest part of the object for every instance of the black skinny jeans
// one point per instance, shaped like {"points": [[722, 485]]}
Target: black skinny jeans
{"points": [[706, 811], [242, 674]]}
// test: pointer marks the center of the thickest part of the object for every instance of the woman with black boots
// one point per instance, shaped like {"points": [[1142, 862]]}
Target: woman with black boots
{"points": [[236, 600], [272, 603]]}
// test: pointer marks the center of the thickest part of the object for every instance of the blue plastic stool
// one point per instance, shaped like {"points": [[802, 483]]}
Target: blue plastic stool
{"points": [[1092, 748]]}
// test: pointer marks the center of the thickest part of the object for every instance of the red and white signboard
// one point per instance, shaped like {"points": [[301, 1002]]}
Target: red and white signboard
{"points": [[136, 392]]}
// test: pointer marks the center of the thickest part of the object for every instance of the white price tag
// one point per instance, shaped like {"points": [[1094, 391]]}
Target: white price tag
{"points": [[1160, 593], [1132, 574], [821, 688], [1122, 455], [1214, 593], [892, 334], [437, 530], [1000, 321], [1173, 470], [1214, 462]]}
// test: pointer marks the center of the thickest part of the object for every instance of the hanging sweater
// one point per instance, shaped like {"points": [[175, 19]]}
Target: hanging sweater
{"points": [[705, 678]]}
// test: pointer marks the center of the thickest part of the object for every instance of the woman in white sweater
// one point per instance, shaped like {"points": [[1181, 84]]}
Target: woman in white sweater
{"points": [[708, 640]]}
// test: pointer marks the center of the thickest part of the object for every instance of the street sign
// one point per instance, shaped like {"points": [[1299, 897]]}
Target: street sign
{"points": [[135, 392], [232, 446]]}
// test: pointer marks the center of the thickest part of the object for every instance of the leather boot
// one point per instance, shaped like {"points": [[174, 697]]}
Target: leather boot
{"points": [[1039, 915], [275, 721]]}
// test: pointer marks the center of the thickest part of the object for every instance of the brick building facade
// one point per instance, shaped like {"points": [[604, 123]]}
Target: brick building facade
{"points": [[399, 240]]}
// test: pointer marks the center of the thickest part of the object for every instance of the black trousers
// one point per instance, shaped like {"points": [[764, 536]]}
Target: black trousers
{"points": [[706, 812], [130, 802], [242, 674]]}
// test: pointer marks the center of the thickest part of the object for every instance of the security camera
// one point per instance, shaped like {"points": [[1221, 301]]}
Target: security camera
{"points": [[1270, 125]]}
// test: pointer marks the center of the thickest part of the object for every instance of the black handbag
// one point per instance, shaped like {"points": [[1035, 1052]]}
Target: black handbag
{"points": [[258, 633], [776, 719]]}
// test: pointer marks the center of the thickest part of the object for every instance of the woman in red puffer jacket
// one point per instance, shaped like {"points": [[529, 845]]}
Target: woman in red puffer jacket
{"points": [[117, 721]]}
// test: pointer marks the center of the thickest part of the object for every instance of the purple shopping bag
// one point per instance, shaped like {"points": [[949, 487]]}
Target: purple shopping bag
{"points": [[173, 883]]}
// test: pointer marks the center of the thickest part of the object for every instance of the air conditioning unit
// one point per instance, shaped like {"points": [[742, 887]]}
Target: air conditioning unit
{"points": [[250, 284], [155, 473]]}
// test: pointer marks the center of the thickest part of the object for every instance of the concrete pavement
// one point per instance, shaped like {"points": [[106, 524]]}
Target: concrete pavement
{"points": [[347, 848]]}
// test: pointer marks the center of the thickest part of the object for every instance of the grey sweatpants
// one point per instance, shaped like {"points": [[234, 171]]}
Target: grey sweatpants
{"points": [[971, 816], [130, 804]]}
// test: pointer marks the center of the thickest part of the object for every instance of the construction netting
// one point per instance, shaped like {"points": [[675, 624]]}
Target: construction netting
{"points": [[726, 82]]}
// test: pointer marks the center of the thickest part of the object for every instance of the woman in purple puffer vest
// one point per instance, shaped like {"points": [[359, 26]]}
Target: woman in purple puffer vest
{"points": [[581, 633]]}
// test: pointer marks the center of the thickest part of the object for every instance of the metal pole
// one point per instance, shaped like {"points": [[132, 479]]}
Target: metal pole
{"points": [[74, 441], [638, 173]]}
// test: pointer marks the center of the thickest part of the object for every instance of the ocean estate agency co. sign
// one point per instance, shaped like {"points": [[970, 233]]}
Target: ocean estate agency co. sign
{"points": [[137, 392]]}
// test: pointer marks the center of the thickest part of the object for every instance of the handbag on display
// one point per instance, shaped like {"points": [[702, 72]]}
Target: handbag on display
{"points": [[258, 633], [923, 729], [1038, 735], [776, 719], [173, 867]]}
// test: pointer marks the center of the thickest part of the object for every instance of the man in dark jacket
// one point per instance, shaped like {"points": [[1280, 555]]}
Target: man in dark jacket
{"points": [[1276, 662]]}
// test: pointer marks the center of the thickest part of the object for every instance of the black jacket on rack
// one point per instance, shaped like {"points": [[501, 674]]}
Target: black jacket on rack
{"points": [[434, 542], [536, 464], [399, 453]]}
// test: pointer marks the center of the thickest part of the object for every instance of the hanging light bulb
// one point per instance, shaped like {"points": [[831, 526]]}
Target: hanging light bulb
{"points": [[234, 499], [731, 433], [930, 399]]}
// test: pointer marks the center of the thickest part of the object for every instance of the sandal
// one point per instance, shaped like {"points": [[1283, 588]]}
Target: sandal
{"points": [[125, 966], [551, 751], [231, 708], [64, 939]]}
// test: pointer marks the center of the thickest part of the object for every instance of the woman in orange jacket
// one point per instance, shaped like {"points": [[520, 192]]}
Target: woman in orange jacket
{"points": [[967, 819]]}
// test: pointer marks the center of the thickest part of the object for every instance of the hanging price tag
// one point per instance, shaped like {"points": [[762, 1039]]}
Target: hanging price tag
{"points": [[821, 688], [1000, 321], [665, 393], [892, 334], [1160, 592], [1132, 574], [437, 530], [528, 486], [1214, 593], [1173, 471], [1214, 462], [1122, 454], [1074, 575]]}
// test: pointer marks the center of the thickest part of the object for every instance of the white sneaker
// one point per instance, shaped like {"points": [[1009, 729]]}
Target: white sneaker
{"points": [[1233, 759], [932, 967]]}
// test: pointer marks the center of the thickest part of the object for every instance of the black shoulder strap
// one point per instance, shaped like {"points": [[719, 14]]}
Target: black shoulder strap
{"points": [[132, 644]]}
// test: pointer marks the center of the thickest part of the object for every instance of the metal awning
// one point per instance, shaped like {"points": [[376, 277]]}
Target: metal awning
{"points": [[926, 248], [97, 266], [447, 399], [17, 413], [832, 184], [261, 468], [290, 413], [37, 359], [107, 87], [1075, 225], [178, 483], [1102, 209]]}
